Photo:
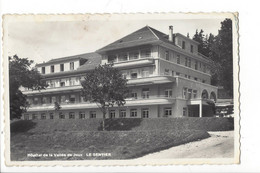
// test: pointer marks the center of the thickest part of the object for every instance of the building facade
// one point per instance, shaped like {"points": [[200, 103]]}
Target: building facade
{"points": [[167, 77]]}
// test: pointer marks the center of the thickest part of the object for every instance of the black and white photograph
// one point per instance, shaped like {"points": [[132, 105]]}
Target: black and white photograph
{"points": [[90, 89]]}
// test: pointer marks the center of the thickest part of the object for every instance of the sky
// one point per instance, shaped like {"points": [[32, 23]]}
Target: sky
{"points": [[43, 40]]}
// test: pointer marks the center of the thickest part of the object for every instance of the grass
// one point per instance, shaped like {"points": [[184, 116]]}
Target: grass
{"points": [[120, 144], [124, 138]]}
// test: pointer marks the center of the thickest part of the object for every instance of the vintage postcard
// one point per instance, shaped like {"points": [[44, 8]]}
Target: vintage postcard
{"points": [[121, 89]]}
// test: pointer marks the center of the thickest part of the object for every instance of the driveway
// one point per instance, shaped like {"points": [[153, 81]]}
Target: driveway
{"points": [[219, 145]]}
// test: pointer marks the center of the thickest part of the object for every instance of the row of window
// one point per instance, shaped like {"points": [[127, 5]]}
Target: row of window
{"points": [[187, 62], [189, 93], [63, 82], [93, 114], [52, 68], [125, 56]]}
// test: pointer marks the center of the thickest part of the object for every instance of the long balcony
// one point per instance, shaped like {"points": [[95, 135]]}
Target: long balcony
{"points": [[134, 62], [56, 90], [152, 100], [151, 80]]}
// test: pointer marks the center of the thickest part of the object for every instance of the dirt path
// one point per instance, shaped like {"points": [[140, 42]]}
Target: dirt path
{"points": [[219, 145]]}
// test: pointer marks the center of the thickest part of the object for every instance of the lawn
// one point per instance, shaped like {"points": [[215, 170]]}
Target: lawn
{"points": [[124, 139], [118, 144]]}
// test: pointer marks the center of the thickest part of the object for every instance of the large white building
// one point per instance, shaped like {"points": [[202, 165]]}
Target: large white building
{"points": [[167, 77]]}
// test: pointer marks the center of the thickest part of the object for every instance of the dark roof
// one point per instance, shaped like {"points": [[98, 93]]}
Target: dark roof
{"points": [[69, 58], [92, 61], [145, 35]]}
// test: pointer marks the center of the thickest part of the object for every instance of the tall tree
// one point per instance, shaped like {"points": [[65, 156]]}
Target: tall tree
{"points": [[105, 87], [22, 75], [222, 54]]}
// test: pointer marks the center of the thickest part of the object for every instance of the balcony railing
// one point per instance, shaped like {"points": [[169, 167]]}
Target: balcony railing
{"points": [[160, 99], [134, 62]]}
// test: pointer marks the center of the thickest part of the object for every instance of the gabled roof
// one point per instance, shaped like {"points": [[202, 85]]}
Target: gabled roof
{"points": [[145, 35]]}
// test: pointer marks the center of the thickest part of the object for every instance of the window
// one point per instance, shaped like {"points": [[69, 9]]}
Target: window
{"points": [[133, 113], [145, 113], [203, 81], [184, 111], [52, 85], [177, 74], [62, 84], [43, 116], [111, 58], [92, 114], [189, 62], [52, 69], [204, 68], [34, 117], [186, 62], [35, 100], [200, 64], [145, 93], [183, 45], [189, 93], [61, 67], [133, 55], [195, 78], [122, 57], [112, 114], [72, 115], [26, 117], [184, 93], [134, 95], [166, 72], [167, 112], [81, 115], [71, 65], [71, 82], [133, 75], [167, 57], [44, 100], [194, 94], [196, 65], [145, 73], [124, 75], [122, 114], [178, 59], [145, 53], [186, 76], [63, 99], [51, 116], [191, 48], [43, 70], [172, 73], [168, 93], [61, 115], [72, 98]]}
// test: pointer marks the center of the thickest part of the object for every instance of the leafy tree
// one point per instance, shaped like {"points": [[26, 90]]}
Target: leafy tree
{"points": [[105, 87], [200, 37], [22, 75]]}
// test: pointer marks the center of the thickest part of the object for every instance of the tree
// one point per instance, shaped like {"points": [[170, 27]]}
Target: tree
{"points": [[104, 86], [222, 54], [22, 75]]}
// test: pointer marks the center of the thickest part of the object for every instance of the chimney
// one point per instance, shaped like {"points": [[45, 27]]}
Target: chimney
{"points": [[171, 33]]}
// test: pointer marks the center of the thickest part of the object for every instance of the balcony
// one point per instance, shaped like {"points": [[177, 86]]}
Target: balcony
{"points": [[135, 63], [151, 80], [152, 100], [56, 90]]}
